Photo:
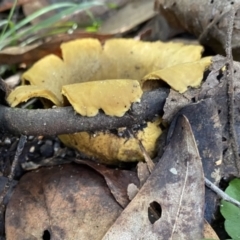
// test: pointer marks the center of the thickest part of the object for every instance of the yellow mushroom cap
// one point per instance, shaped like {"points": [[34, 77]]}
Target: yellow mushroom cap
{"points": [[110, 148], [111, 77], [114, 97]]}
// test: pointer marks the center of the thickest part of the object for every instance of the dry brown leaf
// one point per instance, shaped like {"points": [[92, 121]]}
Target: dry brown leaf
{"points": [[175, 190], [82, 18], [116, 179], [32, 53], [69, 201], [208, 20], [215, 87], [128, 17], [208, 232], [8, 4], [174, 102], [143, 172], [207, 129]]}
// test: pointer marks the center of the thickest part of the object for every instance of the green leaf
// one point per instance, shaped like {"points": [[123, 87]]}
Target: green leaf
{"points": [[112, 5], [230, 212], [9, 18], [94, 27]]}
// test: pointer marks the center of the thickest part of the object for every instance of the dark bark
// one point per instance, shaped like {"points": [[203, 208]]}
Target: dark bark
{"points": [[65, 120]]}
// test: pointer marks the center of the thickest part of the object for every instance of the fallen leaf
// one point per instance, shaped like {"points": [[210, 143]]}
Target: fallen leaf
{"points": [[116, 179], [82, 18], [208, 232], [142, 172], [32, 53], [128, 17], [8, 4], [216, 88], [178, 198], [174, 102], [207, 129], [209, 21], [67, 202]]}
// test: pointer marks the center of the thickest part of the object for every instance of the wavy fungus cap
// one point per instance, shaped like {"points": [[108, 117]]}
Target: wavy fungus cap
{"points": [[110, 77]]}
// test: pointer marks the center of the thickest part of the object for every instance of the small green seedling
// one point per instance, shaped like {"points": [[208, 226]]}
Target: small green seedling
{"points": [[230, 212]]}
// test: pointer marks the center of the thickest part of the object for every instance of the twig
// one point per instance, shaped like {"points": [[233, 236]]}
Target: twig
{"points": [[210, 26], [230, 84], [221, 194], [148, 160], [19, 150], [64, 120]]}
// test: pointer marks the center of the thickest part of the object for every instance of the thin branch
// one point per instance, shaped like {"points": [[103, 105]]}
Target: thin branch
{"points": [[148, 160], [213, 24], [20, 147], [19, 150], [64, 120], [221, 194]]}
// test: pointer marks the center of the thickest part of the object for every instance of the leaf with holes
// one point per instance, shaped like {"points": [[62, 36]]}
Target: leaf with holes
{"points": [[170, 205], [66, 202]]}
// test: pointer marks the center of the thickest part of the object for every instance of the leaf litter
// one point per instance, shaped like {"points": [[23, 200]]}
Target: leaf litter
{"points": [[178, 198], [214, 123], [173, 170], [69, 201]]}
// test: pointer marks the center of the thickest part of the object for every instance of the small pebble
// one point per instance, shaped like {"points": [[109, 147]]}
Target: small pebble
{"points": [[7, 140], [30, 138], [49, 142], [56, 146], [32, 149], [70, 153], [46, 150]]}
